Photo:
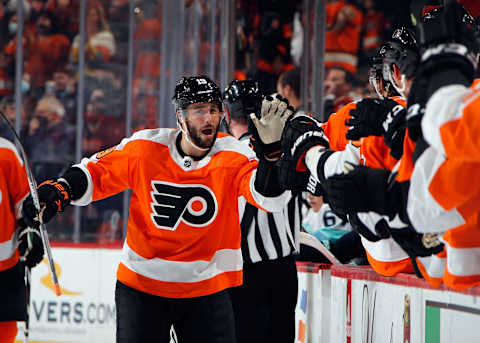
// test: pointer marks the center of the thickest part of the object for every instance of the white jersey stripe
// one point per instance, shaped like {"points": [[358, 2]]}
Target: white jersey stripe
{"points": [[226, 260]]}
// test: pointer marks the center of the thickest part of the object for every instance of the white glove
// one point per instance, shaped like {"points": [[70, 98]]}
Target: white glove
{"points": [[274, 113]]}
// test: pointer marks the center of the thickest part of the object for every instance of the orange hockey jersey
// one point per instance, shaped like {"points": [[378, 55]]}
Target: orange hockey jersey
{"points": [[13, 189], [385, 256], [183, 237], [444, 192], [451, 123]]}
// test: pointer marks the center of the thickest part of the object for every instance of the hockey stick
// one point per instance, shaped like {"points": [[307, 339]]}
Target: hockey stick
{"points": [[28, 277], [33, 191], [310, 240]]}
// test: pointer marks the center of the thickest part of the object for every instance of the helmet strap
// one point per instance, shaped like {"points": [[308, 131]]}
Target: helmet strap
{"points": [[400, 90], [375, 83], [187, 135]]}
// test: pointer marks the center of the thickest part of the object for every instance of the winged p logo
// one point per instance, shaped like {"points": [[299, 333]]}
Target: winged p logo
{"points": [[195, 205]]}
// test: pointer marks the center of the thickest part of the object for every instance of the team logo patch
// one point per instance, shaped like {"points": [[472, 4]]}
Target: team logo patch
{"points": [[195, 205], [105, 152]]}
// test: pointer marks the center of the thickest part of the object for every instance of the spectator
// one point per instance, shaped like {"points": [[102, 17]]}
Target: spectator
{"points": [[272, 46], [372, 29], [100, 43], [7, 106], [66, 14], [118, 21], [342, 36], [6, 74], [288, 86], [102, 129], [337, 86], [49, 139], [9, 50], [65, 91], [48, 50]]}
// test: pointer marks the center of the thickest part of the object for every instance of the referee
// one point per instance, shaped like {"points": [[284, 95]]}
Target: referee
{"points": [[264, 305]]}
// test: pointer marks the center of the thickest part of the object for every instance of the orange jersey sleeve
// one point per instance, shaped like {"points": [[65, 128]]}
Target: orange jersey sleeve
{"points": [[376, 154], [335, 128], [13, 189]]}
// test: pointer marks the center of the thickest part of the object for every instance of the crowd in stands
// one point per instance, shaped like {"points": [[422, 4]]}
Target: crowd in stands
{"points": [[49, 87], [268, 42]]}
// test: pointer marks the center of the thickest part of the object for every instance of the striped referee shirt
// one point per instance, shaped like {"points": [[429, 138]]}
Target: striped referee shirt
{"points": [[268, 236]]}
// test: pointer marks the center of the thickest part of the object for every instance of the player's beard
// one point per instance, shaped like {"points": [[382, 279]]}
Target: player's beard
{"points": [[199, 139]]}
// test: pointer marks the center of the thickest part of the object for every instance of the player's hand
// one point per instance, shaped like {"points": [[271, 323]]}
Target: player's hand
{"points": [[394, 128], [273, 115], [416, 244], [268, 128], [362, 189], [53, 195], [367, 118], [381, 228], [30, 245], [300, 134]]}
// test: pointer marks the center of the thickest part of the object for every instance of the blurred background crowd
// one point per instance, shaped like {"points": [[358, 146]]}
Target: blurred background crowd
{"points": [[94, 71]]}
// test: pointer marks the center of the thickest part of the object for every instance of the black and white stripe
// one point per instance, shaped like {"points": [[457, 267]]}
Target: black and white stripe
{"points": [[268, 236]]}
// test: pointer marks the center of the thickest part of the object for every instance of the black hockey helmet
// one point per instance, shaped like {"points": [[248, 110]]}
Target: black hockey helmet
{"points": [[195, 89], [242, 98], [458, 23], [401, 49], [376, 79]]}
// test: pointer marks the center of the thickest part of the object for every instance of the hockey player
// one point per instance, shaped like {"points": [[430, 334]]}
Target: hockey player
{"points": [[264, 305], [391, 191], [370, 149], [182, 250], [444, 195], [13, 190]]}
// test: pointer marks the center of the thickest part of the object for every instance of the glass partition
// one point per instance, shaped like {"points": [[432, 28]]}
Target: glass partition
{"points": [[95, 71]]}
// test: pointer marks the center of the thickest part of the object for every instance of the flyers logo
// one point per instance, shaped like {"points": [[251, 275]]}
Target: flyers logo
{"points": [[195, 205]]}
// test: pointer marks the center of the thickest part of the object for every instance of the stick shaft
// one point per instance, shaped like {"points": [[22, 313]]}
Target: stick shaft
{"points": [[33, 191], [28, 277]]}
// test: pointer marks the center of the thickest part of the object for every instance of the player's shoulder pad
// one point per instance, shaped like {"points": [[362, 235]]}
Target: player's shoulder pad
{"points": [[226, 142], [159, 135], [10, 147]]}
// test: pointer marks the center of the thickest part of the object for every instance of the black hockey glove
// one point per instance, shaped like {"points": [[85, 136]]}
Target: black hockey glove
{"points": [[292, 179], [362, 189], [31, 254], [266, 131], [381, 228], [54, 196], [416, 244], [367, 118], [394, 128], [300, 134]]}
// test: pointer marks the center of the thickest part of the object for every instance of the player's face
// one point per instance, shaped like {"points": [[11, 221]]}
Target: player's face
{"points": [[203, 121]]}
